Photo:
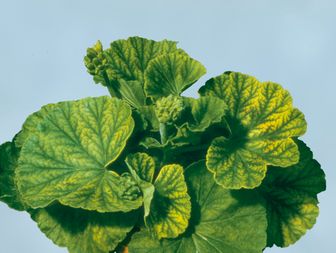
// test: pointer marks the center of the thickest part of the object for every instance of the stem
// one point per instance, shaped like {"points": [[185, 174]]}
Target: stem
{"points": [[163, 133], [191, 149]]}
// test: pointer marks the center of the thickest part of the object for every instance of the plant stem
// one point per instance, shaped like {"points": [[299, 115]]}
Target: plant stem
{"points": [[191, 148], [163, 133]]}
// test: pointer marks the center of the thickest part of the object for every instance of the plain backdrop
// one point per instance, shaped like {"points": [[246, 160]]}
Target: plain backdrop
{"points": [[42, 44]]}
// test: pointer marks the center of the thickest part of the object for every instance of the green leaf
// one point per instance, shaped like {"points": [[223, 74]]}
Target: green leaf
{"points": [[142, 164], [84, 231], [222, 221], [262, 120], [206, 111], [170, 207], [69, 158], [31, 123], [150, 142], [291, 197], [171, 74], [128, 59], [132, 92], [142, 167], [9, 193], [148, 111]]}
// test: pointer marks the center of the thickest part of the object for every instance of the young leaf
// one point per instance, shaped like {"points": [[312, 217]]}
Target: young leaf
{"points": [[142, 167], [67, 159], [9, 193], [262, 121], [171, 74], [84, 231], [170, 207], [221, 221], [291, 197], [129, 59], [132, 92], [126, 60]]}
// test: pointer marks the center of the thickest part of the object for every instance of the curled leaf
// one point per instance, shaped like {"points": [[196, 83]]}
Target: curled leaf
{"points": [[222, 221], [68, 158], [262, 120]]}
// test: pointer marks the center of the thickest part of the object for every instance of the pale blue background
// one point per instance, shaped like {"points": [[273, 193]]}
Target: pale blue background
{"points": [[42, 44]]}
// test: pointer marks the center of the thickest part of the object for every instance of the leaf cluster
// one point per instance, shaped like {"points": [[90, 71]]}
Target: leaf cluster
{"points": [[150, 170]]}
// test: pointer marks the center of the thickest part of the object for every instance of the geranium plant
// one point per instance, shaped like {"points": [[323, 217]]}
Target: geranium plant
{"points": [[149, 170]]}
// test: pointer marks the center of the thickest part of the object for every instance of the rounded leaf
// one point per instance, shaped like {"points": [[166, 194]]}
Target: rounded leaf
{"points": [[68, 158], [171, 74], [291, 198], [222, 221], [262, 121], [170, 208]]}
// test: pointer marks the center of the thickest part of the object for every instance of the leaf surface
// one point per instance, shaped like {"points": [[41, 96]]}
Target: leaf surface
{"points": [[171, 74], [206, 111], [170, 207], [128, 59], [222, 221], [69, 157], [291, 197], [31, 123], [262, 120]]}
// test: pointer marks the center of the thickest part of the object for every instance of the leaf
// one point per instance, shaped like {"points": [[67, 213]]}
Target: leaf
{"points": [[170, 207], [69, 157], [132, 92], [222, 221], [129, 59], [8, 190], [171, 74], [31, 123], [142, 164], [142, 167], [206, 111], [148, 111], [291, 197], [125, 61], [84, 231], [150, 142], [262, 120]]}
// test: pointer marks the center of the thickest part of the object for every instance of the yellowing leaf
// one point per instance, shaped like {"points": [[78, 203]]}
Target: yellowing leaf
{"points": [[68, 159], [262, 121], [143, 165], [170, 207], [222, 221], [291, 198], [171, 74]]}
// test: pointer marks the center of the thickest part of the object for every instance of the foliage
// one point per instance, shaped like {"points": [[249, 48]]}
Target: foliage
{"points": [[154, 171]]}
